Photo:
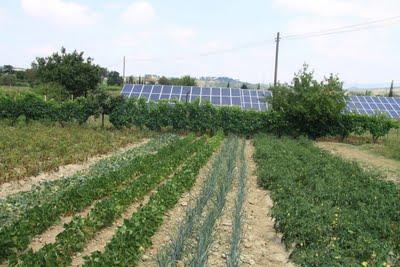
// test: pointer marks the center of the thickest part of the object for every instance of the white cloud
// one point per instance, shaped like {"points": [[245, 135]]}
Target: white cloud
{"points": [[139, 13], [343, 8], [59, 11]]}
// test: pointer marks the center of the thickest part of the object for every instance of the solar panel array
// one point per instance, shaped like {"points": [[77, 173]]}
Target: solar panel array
{"points": [[244, 98], [371, 105], [250, 99]]}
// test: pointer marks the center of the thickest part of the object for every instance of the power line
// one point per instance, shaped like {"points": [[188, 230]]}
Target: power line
{"points": [[348, 28], [337, 30]]}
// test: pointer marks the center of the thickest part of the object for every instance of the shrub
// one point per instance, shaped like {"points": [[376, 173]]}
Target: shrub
{"points": [[309, 107]]}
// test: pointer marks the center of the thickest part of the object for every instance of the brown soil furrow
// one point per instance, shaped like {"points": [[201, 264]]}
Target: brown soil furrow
{"points": [[65, 171], [174, 217], [261, 245], [388, 167]]}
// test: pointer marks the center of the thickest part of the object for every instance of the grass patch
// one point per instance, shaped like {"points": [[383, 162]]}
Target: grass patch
{"points": [[388, 146], [29, 149]]}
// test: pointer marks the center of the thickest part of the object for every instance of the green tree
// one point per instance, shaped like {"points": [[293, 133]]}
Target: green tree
{"points": [[7, 69], [113, 78], [52, 91], [228, 85], [187, 81], [8, 79], [244, 86], [71, 70], [310, 107], [163, 81], [258, 86]]}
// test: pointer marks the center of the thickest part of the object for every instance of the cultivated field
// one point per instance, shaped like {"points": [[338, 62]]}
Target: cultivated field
{"points": [[169, 200]]}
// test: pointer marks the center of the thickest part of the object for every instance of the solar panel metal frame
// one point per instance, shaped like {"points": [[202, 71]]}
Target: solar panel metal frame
{"points": [[217, 96], [374, 104]]}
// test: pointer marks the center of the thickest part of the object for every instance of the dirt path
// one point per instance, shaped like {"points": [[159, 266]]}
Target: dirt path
{"points": [[27, 183], [261, 245], [173, 217], [388, 167]]}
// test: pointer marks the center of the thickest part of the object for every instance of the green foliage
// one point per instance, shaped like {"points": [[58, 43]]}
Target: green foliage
{"points": [[191, 117], [310, 107], [113, 78], [379, 125], [71, 70], [105, 211], [163, 81], [53, 91], [74, 198], [8, 79], [330, 212], [134, 236], [244, 86]]}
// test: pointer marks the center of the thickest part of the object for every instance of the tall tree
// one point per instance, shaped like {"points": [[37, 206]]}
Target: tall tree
{"points": [[71, 70], [113, 78], [258, 86], [228, 85], [163, 81], [391, 93], [7, 69], [187, 81], [244, 86]]}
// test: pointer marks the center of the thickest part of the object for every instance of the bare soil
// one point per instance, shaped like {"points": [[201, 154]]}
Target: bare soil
{"points": [[389, 168], [65, 171], [261, 245]]}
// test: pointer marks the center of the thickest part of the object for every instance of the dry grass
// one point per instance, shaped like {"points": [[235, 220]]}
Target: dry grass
{"points": [[29, 149]]}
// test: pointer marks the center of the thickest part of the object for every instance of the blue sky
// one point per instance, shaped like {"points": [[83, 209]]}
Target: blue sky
{"points": [[178, 37]]}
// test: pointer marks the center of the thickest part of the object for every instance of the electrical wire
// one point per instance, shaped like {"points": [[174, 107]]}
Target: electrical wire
{"points": [[337, 30]]}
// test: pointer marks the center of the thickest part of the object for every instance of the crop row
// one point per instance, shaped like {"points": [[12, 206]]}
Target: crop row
{"points": [[134, 236], [81, 230], [331, 211], [233, 259], [15, 237], [215, 186], [12, 207]]}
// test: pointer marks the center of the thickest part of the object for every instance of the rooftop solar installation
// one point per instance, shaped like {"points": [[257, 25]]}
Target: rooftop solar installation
{"points": [[371, 105], [243, 98]]}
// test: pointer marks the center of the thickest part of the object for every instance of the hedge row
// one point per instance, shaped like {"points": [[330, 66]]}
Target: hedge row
{"points": [[191, 117], [194, 117], [34, 107]]}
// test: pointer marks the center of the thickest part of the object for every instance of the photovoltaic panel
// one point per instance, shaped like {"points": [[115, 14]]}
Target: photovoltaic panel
{"points": [[374, 104], [243, 98], [250, 99]]}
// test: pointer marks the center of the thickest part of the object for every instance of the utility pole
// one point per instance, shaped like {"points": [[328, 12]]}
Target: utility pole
{"points": [[123, 71], [278, 38]]}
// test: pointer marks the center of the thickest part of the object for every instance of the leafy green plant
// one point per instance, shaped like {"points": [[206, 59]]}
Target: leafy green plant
{"points": [[80, 230], [16, 236], [330, 212], [133, 237]]}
